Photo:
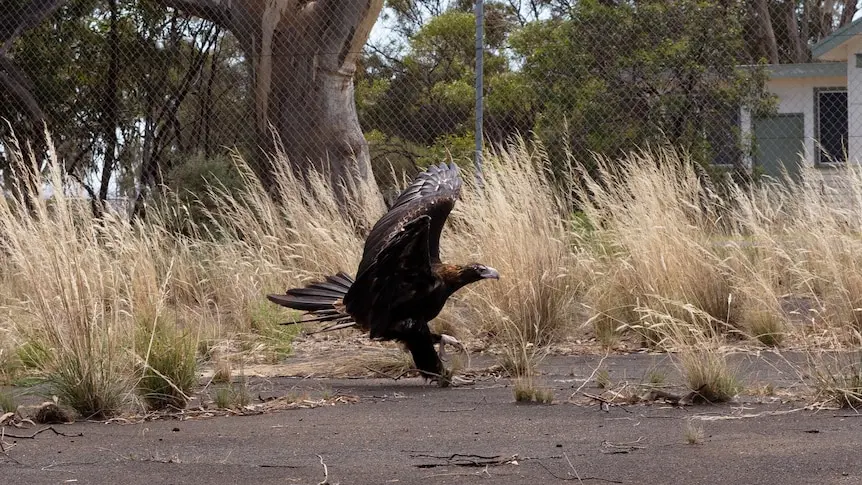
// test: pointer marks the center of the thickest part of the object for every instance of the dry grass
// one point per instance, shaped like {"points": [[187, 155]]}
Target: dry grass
{"points": [[8, 403], [518, 223], [693, 433], [836, 377], [656, 254]]}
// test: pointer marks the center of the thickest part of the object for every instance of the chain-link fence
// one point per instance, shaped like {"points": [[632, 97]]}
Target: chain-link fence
{"points": [[139, 93]]}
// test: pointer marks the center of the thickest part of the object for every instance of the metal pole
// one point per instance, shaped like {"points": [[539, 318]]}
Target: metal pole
{"points": [[480, 51]]}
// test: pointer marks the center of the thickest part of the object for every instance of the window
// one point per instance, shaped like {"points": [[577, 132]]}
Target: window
{"points": [[830, 115]]}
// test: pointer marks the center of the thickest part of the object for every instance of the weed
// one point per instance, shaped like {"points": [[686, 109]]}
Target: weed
{"points": [[8, 403], [693, 433], [603, 379], [708, 374], [764, 325], [91, 384], [656, 377], [232, 397], [837, 377], [168, 367], [222, 371], [33, 355], [10, 366], [526, 391]]}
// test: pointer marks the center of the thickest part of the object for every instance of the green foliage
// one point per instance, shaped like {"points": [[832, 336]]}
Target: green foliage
{"points": [[421, 107], [90, 384], [8, 403], [265, 319], [131, 77], [526, 391], [33, 354], [191, 182], [232, 397], [675, 80], [590, 77], [169, 371]]}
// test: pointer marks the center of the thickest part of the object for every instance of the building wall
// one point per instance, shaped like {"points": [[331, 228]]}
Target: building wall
{"points": [[796, 95], [854, 102]]}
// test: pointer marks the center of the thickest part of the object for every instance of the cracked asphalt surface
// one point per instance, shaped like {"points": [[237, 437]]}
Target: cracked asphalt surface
{"points": [[408, 432]]}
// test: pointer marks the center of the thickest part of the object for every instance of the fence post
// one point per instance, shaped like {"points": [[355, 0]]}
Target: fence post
{"points": [[480, 51]]}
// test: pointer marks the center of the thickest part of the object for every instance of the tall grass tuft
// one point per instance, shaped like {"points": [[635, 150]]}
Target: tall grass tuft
{"points": [[658, 218], [517, 223], [168, 366]]}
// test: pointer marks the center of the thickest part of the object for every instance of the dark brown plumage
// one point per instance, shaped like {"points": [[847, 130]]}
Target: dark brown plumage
{"points": [[400, 284]]}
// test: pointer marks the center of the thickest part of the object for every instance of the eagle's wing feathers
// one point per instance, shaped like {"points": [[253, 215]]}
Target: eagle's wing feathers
{"points": [[401, 271], [432, 193]]}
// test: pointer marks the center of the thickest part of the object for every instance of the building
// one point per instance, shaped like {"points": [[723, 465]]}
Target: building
{"points": [[819, 117]]}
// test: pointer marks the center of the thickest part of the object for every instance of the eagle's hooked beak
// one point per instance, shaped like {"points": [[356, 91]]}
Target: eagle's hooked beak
{"points": [[489, 273]]}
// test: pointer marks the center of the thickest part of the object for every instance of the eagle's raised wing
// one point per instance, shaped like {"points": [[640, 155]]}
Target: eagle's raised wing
{"points": [[399, 274], [432, 193]]}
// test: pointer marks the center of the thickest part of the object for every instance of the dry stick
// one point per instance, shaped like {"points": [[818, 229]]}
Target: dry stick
{"points": [[461, 459], [572, 467], [381, 373], [325, 472], [572, 478], [47, 428], [607, 402], [599, 366]]}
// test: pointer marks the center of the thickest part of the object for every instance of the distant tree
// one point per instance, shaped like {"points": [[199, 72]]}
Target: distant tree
{"points": [[612, 77], [300, 55], [416, 93], [783, 31], [303, 56]]}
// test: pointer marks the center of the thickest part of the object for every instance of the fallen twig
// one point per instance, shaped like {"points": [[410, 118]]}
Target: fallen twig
{"points": [[461, 459], [606, 403], [592, 375], [463, 410], [573, 475], [46, 428], [383, 374], [325, 472], [627, 447]]}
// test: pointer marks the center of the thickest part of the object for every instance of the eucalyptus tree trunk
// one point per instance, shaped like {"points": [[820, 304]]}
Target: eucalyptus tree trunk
{"points": [[303, 56]]}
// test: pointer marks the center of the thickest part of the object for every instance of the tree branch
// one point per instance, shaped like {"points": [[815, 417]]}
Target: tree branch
{"points": [[28, 16], [216, 11], [15, 82]]}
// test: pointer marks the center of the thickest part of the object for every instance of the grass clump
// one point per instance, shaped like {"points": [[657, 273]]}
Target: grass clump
{"points": [[8, 403], [837, 378], [709, 375], [90, 384], [33, 355], [168, 367], [657, 216], [603, 379], [693, 433], [656, 377], [232, 397], [526, 391], [222, 371], [540, 271], [765, 326], [265, 320]]}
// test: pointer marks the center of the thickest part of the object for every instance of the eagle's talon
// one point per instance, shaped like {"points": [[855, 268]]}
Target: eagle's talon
{"points": [[450, 340]]}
